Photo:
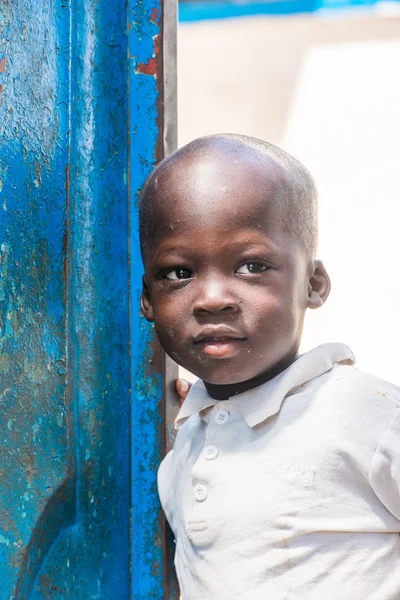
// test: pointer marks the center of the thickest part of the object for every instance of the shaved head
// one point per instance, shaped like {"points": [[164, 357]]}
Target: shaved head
{"points": [[228, 232], [282, 180]]}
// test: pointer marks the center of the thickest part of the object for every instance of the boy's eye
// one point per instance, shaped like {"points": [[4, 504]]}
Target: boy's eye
{"points": [[251, 268], [179, 273]]}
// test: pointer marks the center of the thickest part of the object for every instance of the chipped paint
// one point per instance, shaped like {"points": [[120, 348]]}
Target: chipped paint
{"points": [[146, 134], [64, 309], [151, 67], [67, 362], [32, 307]]}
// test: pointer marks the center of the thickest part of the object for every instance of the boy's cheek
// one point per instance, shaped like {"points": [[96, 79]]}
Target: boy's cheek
{"points": [[170, 326], [174, 346]]}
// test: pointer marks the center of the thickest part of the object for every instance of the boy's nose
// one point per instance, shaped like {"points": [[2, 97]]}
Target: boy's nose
{"points": [[215, 296]]}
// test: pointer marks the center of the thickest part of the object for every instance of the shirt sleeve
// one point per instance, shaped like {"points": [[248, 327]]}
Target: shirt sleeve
{"points": [[385, 470]]}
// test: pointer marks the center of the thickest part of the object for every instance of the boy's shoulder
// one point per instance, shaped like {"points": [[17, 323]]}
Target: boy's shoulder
{"points": [[361, 401], [353, 381]]}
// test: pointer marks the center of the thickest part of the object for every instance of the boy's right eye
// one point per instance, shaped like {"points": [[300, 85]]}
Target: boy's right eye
{"points": [[178, 273]]}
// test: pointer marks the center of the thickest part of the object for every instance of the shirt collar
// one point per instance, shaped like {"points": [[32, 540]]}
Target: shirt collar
{"points": [[265, 400]]}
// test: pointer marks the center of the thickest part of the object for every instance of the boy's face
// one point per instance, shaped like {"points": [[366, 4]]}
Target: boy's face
{"points": [[225, 285]]}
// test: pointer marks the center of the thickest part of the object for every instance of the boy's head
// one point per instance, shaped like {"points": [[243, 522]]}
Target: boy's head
{"points": [[228, 229]]}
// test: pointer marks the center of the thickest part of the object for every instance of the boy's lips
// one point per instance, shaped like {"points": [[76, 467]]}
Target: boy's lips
{"points": [[219, 342]]}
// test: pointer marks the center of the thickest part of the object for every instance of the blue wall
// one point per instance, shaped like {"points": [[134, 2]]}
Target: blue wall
{"points": [[81, 431]]}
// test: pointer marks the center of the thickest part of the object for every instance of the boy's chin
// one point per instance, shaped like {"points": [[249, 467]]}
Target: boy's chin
{"points": [[231, 373], [228, 371], [220, 374]]}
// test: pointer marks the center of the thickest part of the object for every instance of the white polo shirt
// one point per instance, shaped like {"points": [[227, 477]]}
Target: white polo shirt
{"points": [[291, 490]]}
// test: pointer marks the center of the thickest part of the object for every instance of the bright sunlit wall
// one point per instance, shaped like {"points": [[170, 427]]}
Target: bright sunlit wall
{"points": [[326, 89]]}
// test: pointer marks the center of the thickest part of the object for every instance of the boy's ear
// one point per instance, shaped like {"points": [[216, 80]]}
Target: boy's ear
{"points": [[145, 302], [319, 286]]}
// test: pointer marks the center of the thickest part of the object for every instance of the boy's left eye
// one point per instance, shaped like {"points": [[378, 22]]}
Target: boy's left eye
{"points": [[251, 268]]}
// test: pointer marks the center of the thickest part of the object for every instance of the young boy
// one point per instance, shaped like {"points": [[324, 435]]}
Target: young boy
{"points": [[284, 482]]}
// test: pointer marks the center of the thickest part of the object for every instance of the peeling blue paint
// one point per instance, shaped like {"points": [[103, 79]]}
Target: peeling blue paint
{"points": [[75, 354], [147, 521], [32, 324], [64, 310]]}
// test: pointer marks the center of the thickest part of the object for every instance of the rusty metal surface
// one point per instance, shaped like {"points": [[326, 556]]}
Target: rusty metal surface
{"points": [[64, 311], [152, 134], [75, 354], [35, 482]]}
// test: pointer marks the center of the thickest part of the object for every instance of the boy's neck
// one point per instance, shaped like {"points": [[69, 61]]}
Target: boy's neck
{"points": [[225, 391]]}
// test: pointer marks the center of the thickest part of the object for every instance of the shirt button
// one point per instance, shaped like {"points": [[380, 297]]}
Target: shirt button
{"points": [[200, 492], [210, 452], [221, 416]]}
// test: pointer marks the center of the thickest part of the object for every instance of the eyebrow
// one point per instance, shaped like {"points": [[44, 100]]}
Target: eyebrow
{"points": [[249, 245], [167, 251], [255, 245]]}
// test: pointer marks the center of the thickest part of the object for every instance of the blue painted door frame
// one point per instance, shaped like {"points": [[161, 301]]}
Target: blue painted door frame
{"points": [[83, 384]]}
